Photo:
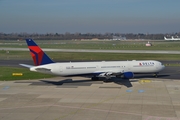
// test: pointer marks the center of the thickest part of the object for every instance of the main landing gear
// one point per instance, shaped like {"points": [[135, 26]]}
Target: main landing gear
{"points": [[94, 78]]}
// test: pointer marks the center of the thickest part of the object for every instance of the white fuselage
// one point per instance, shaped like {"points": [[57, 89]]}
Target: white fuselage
{"points": [[85, 68], [172, 38]]}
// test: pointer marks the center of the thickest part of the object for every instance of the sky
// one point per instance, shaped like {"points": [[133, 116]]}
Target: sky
{"points": [[90, 16]]}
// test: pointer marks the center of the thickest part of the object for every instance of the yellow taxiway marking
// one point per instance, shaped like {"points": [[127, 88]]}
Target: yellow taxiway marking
{"points": [[17, 74], [145, 81]]}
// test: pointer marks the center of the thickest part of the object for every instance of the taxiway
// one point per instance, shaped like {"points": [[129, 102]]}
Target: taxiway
{"points": [[79, 98]]}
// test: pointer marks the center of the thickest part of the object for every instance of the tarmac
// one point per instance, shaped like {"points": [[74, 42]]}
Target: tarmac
{"points": [[99, 51], [79, 98]]}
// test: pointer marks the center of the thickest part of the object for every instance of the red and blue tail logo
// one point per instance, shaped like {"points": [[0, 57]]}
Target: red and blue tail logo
{"points": [[39, 57]]}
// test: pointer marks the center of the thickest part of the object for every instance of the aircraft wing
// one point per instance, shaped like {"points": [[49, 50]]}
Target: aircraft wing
{"points": [[108, 72], [117, 73]]}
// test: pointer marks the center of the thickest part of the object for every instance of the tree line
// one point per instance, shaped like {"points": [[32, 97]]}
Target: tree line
{"points": [[80, 36]]}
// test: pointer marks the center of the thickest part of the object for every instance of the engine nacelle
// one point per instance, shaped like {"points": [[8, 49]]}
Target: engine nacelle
{"points": [[128, 75]]}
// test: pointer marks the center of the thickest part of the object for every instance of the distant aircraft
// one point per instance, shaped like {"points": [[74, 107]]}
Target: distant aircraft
{"points": [[172, 38], [107, 69]]}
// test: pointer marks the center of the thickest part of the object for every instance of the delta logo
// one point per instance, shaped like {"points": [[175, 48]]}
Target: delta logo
{"points": [[146, 63]]}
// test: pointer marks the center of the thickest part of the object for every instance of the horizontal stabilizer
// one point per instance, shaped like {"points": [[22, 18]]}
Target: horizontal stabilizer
{"points": [[25, 65]]}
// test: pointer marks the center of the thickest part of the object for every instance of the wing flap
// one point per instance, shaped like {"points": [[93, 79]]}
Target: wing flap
{"points": [[109, 73]]}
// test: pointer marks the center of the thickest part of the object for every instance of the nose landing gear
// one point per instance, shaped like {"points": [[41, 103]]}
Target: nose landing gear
{"points": [[155, 75]]}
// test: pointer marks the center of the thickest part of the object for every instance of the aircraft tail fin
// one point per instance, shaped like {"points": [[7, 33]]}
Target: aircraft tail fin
{"points": [[164, 37], [38, 55]]}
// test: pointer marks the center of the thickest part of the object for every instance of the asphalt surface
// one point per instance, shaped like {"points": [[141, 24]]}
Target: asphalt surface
{"points": [[100, 51]]}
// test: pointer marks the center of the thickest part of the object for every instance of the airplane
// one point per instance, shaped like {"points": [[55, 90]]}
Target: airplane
{"points": [[105, 69], [172, 38]]}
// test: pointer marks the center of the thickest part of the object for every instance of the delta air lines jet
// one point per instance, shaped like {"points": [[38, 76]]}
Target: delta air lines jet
{"points": [[107, 69]]}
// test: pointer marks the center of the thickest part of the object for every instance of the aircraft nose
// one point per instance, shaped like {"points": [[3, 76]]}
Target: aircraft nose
{"points": [[161, 66]]}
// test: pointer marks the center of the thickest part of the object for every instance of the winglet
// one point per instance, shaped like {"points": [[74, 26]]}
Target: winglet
{"points": [[38, 55]]}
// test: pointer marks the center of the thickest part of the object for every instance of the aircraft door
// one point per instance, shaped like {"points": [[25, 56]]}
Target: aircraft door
{"points": [[129, 66]]}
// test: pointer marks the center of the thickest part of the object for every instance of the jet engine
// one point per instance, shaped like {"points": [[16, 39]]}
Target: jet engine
{"points": [[128, 75]]}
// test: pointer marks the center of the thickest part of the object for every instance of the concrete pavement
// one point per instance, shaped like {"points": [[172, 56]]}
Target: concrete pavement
{"points": [[83, 99]]}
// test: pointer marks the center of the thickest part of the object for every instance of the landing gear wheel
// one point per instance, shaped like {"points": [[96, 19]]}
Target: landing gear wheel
{"points": [[155, 75], [94, 78], [106, 80]]}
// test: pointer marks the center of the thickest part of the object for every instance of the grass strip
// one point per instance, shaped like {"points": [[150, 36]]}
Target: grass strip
{"points": [[6, 74], [71, 56]]}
